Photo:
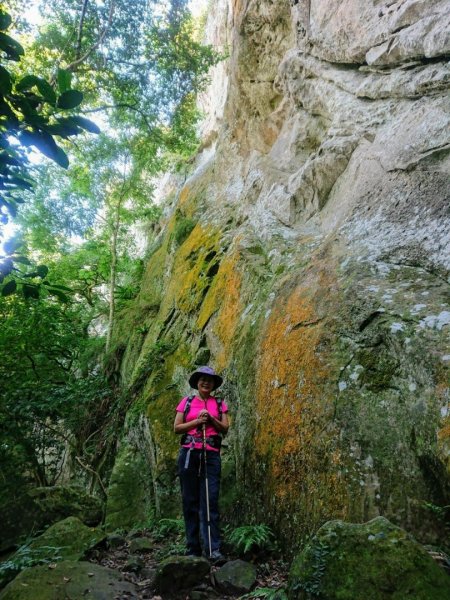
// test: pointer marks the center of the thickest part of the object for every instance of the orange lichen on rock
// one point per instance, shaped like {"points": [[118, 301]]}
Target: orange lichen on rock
{"points": [[227, 295], [294, 432]]}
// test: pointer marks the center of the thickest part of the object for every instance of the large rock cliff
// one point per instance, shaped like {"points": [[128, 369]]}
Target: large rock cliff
{"points": [[307, 258]]}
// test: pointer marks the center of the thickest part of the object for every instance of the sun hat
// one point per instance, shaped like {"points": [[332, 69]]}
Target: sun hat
{"points": [[193, 379]]}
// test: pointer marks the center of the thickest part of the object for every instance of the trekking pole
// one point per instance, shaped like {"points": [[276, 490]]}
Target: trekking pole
{"points": [[207, 491]]}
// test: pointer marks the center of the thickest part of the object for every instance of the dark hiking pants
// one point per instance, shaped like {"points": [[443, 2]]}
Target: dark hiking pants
{"points": [[193, 493]]}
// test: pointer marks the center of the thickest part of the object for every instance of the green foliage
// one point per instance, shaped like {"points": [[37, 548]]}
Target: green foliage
{"points": [[141, 70], [250, 537], [30, 117], [19, 274], [439, 511], [172, 532], [312, 584], [265, 593], [168, 527], [26, 557]]}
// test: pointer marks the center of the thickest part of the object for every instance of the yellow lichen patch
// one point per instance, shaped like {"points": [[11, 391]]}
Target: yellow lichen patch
{"points": [[184, 197], [189, 278], [294, 433], [224, 297], [444, 432]]}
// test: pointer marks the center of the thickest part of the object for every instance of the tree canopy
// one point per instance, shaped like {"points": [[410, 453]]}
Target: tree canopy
{"points": [[106, 93]]}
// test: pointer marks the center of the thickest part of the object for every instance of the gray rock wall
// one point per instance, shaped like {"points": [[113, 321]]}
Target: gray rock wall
{"points": [[316, 277]]}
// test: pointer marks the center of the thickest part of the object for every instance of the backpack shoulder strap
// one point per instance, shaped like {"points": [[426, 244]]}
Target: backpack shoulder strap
{"points": [[219, 407], [187, 407]]}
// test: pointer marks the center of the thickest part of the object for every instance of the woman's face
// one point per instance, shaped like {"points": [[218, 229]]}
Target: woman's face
{"points": [[205, 384]]}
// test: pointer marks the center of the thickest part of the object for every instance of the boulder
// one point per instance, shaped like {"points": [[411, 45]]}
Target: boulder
{"points": [[236, 577], [134, 564], [68, 579], [114, 540], [69, 539], [43, 506], [141, 544], [180, 572], [374, 561]]}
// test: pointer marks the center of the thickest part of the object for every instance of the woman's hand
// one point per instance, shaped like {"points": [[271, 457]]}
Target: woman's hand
{"points": [[203, 417]]}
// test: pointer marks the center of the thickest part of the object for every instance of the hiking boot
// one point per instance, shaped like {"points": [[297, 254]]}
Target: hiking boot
{"points": [[217, 557]]}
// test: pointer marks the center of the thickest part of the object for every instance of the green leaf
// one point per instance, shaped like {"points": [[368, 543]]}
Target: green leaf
{"points": [[26, 83], [9, 288], [62, 130], [43, 86], [64, 288], [64, 80], [20, 182], [61, 158], [45, 144], [85, 124], [60, 295], [42, 271], [46, 91], [11, 47], [5, 81], [30, 290], [70, 99], [5, 20], [21, 260]]}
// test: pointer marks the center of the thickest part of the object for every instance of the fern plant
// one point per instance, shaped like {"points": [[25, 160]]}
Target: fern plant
{"points": [[251, 537], [168, 527], [26, 557]]}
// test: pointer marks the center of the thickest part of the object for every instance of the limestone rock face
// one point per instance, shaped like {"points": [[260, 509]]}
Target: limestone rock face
{"points": [[307, 255]]}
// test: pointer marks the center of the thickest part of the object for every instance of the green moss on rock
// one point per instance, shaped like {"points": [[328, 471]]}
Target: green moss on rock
{"points": [[375, 561], [129, 494], [74, 580], [70, 537]]}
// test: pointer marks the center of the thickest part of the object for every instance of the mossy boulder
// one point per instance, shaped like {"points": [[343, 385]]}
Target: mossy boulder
{"points": [[180, 572], [374, 560], [236, 577], [70, 537], [40, 507], [68, 579]]}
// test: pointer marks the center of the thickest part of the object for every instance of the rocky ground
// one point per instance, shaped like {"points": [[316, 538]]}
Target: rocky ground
{"points": [[138, 557]]}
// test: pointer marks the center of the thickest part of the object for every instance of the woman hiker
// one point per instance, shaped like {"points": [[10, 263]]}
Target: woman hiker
{"points": [[201, 419]]}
